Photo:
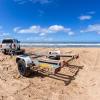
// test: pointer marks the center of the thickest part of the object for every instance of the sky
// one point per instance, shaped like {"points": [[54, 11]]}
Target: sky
{"points": [[50, 20]]}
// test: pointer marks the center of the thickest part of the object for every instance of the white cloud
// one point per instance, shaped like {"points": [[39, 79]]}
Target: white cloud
{"points": [[47, 39], [41, 12], [43, 31], [85, 17], [33, 1], [71, 33], [57, 28], [92, 28], [42, 34], [16, 29], [4, 34], [40, 38], [91, 12], [20, 1], [32, 29], [1, 27], [41, 1]]}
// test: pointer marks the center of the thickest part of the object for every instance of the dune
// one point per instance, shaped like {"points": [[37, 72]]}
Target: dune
{"points": [[84, 85]]}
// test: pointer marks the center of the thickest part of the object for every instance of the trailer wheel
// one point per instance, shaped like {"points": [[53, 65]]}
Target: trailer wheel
{"points": [[23, 70]]}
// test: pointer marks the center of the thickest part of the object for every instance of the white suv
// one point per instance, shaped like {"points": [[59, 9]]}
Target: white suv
{"points": [[10, 44]]}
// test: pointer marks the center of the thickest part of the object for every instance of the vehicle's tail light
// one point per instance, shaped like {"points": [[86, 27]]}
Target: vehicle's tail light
{"points": [[1, 46]]}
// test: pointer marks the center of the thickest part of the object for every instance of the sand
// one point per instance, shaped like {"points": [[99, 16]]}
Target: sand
{"points": [[84, 85]]}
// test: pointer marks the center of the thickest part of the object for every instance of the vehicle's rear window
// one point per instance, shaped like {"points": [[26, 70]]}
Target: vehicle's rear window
{"points": [[7, 41]]}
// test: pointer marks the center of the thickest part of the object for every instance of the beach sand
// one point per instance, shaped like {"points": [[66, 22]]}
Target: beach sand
{"points": [[85, 86]]}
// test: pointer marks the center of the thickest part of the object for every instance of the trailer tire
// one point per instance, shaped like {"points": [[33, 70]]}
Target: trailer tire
{"points": [[23, 70]]}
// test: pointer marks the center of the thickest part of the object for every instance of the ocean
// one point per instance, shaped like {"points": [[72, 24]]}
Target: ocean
{"points": [[60, 44]]}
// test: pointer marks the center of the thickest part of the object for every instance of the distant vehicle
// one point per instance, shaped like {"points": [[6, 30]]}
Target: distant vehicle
{"points": [[10, 46]]}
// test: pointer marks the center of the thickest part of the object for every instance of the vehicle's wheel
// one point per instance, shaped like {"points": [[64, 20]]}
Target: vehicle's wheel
{"points": [[23, 70], [18, 48], [5, 52]]}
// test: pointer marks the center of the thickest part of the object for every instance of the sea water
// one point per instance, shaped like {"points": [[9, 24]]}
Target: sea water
{"points": [[60, 44]]}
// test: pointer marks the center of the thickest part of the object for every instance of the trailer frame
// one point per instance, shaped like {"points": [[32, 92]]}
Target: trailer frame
{"points": [[37, 62]]}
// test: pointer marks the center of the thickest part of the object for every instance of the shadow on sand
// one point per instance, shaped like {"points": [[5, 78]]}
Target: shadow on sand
{"points": [[59, 76]]}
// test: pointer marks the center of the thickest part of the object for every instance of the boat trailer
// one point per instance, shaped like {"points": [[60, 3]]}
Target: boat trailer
{"points": [[49, 65]]}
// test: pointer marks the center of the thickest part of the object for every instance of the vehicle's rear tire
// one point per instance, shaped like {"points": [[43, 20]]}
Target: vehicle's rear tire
{"points": [[23, 70], [5, 51], [18, 48]]}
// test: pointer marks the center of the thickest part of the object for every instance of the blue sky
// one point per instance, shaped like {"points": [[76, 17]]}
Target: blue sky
{"points": [[50, 20]]}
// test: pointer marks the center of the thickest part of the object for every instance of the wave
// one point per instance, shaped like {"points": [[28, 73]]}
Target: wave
{"points": [[60, 44]]}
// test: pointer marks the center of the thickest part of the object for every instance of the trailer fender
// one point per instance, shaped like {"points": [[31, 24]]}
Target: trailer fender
{"points": [[25, 58]]}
